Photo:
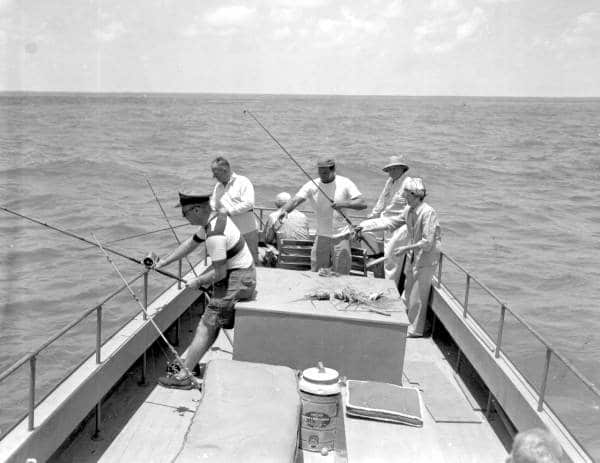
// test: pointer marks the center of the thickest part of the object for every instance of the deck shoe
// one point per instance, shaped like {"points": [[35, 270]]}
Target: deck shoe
{"points": [[173, 382], [173, 368]]}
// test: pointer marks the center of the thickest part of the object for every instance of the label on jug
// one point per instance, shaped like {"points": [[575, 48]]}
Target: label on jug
{"points": [[316, 420]]}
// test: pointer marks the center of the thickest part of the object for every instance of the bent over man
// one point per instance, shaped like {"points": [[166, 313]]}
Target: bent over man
{"points": [[232, 275], [422, 250], [328, 249]]}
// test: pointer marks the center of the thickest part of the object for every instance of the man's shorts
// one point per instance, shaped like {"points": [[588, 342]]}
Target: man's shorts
{"points": [[239, 285]]}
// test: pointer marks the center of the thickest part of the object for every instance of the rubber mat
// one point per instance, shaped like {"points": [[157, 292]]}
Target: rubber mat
{"points": [[444, 400]]}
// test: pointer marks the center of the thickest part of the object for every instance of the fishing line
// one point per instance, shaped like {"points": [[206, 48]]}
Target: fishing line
{"points": [[81, 238], [195, 380], [139, 235], [169, 223], [339, 211]]}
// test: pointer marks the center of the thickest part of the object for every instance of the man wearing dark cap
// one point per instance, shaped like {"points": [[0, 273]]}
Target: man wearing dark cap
{"points": [[232, 275], [329, 250]]}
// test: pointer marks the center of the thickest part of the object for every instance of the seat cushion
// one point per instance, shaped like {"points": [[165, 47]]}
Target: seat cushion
{"points": [[249, 412]]}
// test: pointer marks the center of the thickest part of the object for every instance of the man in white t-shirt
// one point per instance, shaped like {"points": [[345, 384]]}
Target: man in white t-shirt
{"points": [[329, 194]]}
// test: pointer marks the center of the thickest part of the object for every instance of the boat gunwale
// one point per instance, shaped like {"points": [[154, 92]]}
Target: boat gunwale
{"points": [[504, 306]]}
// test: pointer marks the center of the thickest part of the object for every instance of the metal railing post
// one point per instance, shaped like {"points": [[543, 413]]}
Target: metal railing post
{"points": [[439, 275], [145, 317], [500, 330], [544, 379], [467, 288], [179, 274], [31, 410], [98, 334]]}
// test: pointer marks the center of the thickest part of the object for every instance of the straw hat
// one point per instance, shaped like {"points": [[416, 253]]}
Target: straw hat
{"points": [[395, 161]]}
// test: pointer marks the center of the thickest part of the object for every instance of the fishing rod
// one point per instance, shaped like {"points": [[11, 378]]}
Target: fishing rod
{"points": [[138, 235], [81, 238], [169, 223], [339, 211], [195, 380]]}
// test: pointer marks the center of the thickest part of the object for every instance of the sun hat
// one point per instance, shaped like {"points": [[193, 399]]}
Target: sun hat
{"points": [[282, 198], [395, 161]]}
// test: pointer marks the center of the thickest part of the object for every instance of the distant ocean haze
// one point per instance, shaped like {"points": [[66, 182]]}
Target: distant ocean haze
{"points": [[515, 183]]}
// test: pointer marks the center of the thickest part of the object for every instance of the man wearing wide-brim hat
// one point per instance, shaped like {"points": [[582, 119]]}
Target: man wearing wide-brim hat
{"points": [[391, 203]]}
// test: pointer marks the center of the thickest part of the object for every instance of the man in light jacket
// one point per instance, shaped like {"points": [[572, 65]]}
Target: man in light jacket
{"points": [[234, 195]]}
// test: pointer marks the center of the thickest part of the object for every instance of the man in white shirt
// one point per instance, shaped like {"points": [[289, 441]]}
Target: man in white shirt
{"points": [[328, 194], [234, 195]]}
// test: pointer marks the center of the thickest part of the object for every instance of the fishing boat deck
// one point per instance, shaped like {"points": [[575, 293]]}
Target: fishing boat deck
{"points": [[151, 423], [155, 429]]}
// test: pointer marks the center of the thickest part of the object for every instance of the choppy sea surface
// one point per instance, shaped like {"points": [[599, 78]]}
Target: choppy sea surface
{"points": [[515, 183]]}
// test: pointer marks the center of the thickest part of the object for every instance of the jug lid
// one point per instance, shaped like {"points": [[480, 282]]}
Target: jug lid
{"points": [[320, 380]]}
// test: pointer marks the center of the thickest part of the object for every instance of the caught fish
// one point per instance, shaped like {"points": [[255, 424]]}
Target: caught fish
{"points": [[353, 296], [317, 295]]}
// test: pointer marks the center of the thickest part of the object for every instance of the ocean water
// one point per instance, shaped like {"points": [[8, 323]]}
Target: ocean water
{"points": [[515, 183]]}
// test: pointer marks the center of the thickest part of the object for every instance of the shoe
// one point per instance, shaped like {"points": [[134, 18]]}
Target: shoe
{"points": [[173, 382]]}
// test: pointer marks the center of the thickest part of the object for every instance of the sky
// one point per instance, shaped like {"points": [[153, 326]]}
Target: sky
{"points": [[366, 47]]}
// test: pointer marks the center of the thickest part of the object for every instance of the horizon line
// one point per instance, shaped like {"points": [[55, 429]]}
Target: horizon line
{"points": [[85, 92]]}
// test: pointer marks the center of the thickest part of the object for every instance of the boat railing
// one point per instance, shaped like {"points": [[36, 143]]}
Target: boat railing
{"points": [[497, 345], [31, 357], [261, 211]]}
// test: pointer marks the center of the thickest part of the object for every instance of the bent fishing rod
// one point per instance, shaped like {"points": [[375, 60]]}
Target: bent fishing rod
{"points": [[81, 238], [339, 211], [169, 223]]}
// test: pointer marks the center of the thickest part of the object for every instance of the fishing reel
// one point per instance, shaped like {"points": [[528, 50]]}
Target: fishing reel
{"points": [[150, 260]]}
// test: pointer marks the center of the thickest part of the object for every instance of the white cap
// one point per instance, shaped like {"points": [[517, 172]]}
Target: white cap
{"points": [[282, 198], [414, 184]]}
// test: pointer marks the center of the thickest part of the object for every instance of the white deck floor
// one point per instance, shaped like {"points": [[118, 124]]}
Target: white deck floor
{"points": [[148, 424]]}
